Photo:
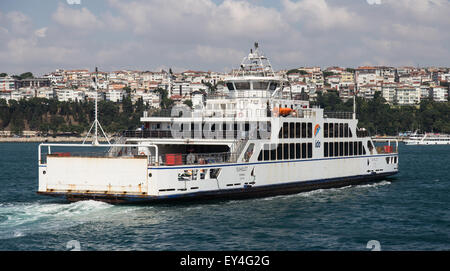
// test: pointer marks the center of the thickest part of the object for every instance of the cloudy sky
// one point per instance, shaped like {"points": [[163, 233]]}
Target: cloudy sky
{"points": [[43, 35]]}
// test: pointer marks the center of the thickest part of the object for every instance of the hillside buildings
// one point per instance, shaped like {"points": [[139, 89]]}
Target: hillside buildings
{"points": [[398, 86]]}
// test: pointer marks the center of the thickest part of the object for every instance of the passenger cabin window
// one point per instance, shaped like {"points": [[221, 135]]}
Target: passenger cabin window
{"points": [[249, 152], [214, 173], [285, 151], [337, 149], [370, 146], [336, 130], [296, 130]]}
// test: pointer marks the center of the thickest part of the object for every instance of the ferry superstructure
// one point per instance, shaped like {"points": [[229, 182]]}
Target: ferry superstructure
{"points": [[428, 139], [257, 140]]}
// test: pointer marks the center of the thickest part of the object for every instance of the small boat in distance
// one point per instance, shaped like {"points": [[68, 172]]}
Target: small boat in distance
{"points": [[428, 139]]}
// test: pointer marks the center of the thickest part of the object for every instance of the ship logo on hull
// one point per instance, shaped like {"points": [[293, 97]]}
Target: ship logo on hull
{"points": [[316, 129]]}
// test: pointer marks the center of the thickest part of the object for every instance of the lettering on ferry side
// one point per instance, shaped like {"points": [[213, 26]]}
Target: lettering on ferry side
{"points": [[193, 261], [317, 144], [239, 169]]}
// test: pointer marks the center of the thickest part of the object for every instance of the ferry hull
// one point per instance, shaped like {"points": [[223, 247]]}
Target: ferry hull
{"points": [[228, 194]]}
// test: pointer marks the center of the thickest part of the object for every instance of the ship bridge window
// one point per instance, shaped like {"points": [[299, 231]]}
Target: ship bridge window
{"points": [[242, 85], [260, 85], [273, 85], [230, 86]]}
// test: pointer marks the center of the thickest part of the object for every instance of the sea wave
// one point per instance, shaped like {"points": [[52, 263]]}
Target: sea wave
{"points": [[328, 191], [20, 219]]}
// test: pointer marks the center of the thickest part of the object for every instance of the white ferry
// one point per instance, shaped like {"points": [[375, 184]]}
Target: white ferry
{"points": [[257, 140], [428, 139]]}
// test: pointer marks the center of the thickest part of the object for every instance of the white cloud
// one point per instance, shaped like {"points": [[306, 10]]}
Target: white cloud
{"points": [[211, 35], [74, 2], [319, 15], [76, 18], [425, 11], [200, 18], [374, 2], [245, 19], [41, 33], [212, 54], [17, 22]]}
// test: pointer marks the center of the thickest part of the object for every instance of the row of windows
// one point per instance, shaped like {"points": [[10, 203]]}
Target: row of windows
{"points": [[285, 151], [263, 85], [331, 130], [296, 130], [254, 130], [334, 149]]}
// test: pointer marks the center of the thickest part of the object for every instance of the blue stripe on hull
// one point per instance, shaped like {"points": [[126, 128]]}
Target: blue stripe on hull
{"points": [[236, 193]]}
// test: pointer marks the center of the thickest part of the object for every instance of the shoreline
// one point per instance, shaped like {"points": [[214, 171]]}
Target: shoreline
{"points": [[49, 139]]}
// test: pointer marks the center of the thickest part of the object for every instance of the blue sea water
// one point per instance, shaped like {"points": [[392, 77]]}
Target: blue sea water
{"points": [[408, 212]]}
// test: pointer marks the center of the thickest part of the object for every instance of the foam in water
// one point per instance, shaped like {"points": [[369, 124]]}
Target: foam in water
{"points": [[328, 191], [19, 219]]}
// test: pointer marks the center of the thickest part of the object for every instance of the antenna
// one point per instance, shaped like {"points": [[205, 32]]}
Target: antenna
{"points": [[96, 123]]}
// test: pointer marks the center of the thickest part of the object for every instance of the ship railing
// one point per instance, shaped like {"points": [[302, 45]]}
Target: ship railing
{"points": [[391, 147], [338, 115], [87, 150], [167, 113], [192, 134], [178, 159], [147, 134], [305, 113], [132, 151], [238, 95], [244, 95]]}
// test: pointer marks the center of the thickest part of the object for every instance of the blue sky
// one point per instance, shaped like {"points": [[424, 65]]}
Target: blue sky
{"points": [[43, 35]]}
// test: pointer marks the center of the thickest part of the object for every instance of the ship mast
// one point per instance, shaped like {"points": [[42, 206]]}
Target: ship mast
{"points": [[255, 64], [96, 123]]}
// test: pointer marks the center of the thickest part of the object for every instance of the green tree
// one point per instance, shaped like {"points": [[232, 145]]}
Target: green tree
{"points": [[188, 103], [165, 101], [26, 75]]}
